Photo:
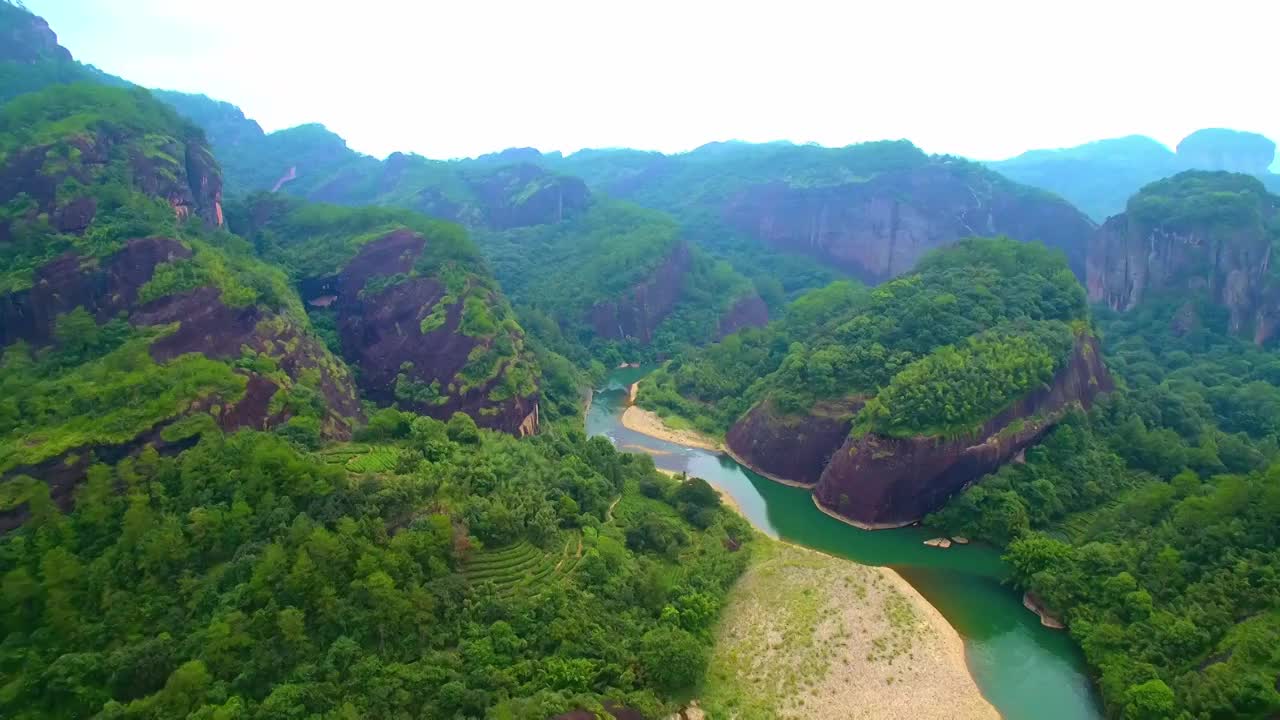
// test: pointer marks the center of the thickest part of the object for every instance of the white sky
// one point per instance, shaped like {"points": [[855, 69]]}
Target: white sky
{"points": [[452, 78]]}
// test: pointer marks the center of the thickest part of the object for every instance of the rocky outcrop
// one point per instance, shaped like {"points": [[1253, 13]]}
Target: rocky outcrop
{"points": [[110, 287], [639, 311], [878, 481], [27, 39], [791, 448], [178, 170], [747, 311], [1162, 246], [382, 334], [201, 323], [104, 288], [879, 228], [211, 328], [525, 194]]}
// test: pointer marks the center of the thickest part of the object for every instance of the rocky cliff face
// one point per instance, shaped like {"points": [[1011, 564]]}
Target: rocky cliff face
{"points": [[879, 228], [877, 481], [639, 311], [27, 39], [177, 169], [795, 449], [109, 287], [1171, 241], [523, 195], [401, 353]]}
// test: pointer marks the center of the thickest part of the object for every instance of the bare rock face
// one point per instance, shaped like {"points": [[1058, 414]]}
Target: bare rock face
{"points": [[879, 228], [1161, 245], [641, 309], [104, 288], [795, 449], [382, 334], [878, 481]]}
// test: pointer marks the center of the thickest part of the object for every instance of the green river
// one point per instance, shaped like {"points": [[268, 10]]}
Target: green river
{"points": [[1025, 670]]}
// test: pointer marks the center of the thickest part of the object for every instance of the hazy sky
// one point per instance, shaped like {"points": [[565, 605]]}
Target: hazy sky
{"points": [[461, 77]]}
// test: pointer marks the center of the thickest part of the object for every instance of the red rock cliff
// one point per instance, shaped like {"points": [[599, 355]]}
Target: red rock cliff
{"points": [[879, 481], [795, 449], [880, 228], [638, 312], [382, 335], [1233, 266], [109, 287]]}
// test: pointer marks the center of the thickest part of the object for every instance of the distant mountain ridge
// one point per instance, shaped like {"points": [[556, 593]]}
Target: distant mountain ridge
{"points": [[1100, 176]]}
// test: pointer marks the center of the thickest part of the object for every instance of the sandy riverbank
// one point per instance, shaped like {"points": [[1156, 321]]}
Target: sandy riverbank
{"points": [[809, 635], [648, 423]]}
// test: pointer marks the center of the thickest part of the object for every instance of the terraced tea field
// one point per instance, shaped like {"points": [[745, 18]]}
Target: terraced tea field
{"points": [[523, 565], [362, 458]]}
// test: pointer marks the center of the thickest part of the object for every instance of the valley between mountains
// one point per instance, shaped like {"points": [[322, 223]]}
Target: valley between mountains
{"points": [[290, 431]]}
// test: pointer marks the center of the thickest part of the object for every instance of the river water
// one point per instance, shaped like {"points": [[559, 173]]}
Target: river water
{"points": [[1028, 672]]}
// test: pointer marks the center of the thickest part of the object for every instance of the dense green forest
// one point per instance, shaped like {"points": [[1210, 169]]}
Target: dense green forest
{"points": [[344, 561], [844, 340], [1149, 523], [432, 570], [557, 273]]}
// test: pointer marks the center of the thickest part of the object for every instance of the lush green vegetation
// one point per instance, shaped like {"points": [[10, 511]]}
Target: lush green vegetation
{"points": [[717, 170], [844, 340], [244, 579], [314, 241], [60, 125], [1149, 522], [101, 387], [957, 387], [1200, 200], [557, 273]]}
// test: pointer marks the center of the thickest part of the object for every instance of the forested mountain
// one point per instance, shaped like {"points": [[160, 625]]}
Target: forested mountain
{"points": [[433, 571], [1149, 523], [988, 339], [1200, 236], [408, 301], [1099, 177], [185, 530], [125, 307], [291, 431], [869, 210], [1144, 518], [643, 290]]}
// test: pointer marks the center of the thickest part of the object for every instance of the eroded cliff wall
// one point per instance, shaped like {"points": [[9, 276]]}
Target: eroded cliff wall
{"points": [[877, 481]]}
